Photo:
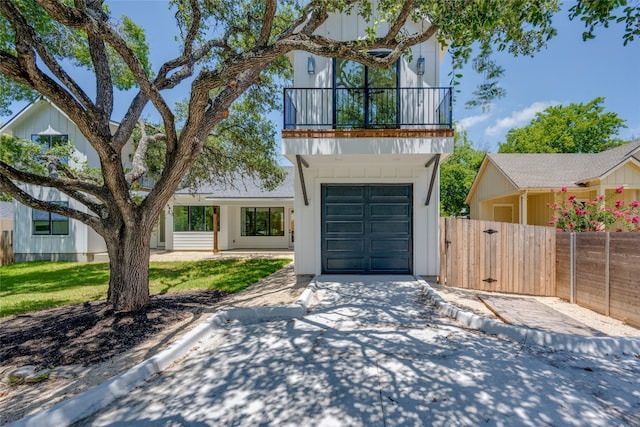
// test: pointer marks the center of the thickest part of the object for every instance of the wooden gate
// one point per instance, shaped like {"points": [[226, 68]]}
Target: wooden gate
{"points": [[497, 256]]}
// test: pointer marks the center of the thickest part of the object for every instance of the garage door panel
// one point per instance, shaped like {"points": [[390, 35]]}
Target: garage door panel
{"points": [[395, 245], [367, 228], [353, 264], [345, 227], [390, 264], [386, 210], [345, 245], [343, 210], [390, 227], [389, 191], [343, 192]]}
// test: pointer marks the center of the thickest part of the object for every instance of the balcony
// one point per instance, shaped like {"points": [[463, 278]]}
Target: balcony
{"points": [[368, 112]]}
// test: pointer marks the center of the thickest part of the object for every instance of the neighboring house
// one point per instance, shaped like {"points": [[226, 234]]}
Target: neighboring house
{"points": [[366, 144], [247, 217], [518, 187], [40, 235]]}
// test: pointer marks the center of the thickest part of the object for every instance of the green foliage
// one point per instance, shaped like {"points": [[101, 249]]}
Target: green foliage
{"points": [[595, 13], [35, 286], [576, 128], [21, 154], [457, 173]]}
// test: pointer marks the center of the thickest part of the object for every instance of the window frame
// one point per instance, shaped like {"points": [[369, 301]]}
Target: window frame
{"points": [[366, 101], [250, 228], [51, 220], [209, 212]]}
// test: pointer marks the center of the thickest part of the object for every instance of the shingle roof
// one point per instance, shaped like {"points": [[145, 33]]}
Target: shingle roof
{"points": [[243, 187], [561, 170], [6, 210]]}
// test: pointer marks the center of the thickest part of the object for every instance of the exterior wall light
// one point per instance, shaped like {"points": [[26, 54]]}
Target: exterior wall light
{"points": [[420, 66], [311, 65]]}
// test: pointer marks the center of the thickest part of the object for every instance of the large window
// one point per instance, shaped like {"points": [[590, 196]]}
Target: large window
{"points": [[50, 141], [47, 223], [194, 218], [262, 221], [365, 97]]}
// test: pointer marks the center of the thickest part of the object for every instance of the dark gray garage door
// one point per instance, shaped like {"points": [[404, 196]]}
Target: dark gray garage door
{"points": [[367, 228]]}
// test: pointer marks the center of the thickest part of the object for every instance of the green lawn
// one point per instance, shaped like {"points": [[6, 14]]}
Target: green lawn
{"points": [[35, 286]]}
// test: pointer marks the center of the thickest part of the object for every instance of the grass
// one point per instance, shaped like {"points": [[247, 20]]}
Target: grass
{"points": [[32, 286]]}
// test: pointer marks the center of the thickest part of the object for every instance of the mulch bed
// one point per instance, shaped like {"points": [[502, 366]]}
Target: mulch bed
{"points": [[92, 332]]}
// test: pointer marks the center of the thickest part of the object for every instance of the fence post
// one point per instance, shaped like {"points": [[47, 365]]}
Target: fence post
{"points": [[572, 266], [607, 289]]}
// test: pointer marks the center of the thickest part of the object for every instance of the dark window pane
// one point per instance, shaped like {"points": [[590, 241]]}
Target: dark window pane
{"points": [[59, 227], [248, 222], [41, 227], [262, 221], [196, 218], [277, 222], [180, 218]]}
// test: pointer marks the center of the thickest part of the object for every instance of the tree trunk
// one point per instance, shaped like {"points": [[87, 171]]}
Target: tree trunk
{"points": [[129, 269]]}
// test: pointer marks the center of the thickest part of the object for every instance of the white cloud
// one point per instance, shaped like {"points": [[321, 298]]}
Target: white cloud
{"points": [[518, 118], [471, 121]]}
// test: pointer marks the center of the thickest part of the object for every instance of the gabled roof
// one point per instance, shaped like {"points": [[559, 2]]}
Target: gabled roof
{"points": [[244, 187], [25, 112], [562, 170]]}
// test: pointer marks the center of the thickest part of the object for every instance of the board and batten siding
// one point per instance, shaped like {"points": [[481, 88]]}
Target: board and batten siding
{"points": [[493, 185], [628, 175]]}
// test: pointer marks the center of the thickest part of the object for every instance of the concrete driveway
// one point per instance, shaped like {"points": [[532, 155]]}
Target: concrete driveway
{"points": [[373, 352]]}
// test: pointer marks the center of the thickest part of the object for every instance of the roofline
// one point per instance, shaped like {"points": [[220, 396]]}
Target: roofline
{"points": [[31, 105], [612, 170], [483, 167]]}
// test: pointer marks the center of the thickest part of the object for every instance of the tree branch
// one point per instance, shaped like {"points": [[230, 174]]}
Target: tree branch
{"points": [[267, 22], [7, 186], [137, 164], [62, 184]]}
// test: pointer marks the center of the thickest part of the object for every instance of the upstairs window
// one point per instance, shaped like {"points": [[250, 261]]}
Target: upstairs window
{"points": [[50, 141], [48, 223], [365, 97]]}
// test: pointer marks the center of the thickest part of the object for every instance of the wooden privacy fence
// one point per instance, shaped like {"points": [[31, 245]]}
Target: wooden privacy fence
{"points": [[498, 256], [6, 247], [600, 271]]}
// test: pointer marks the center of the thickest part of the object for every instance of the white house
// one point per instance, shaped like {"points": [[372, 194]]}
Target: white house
{"points": [[42, 235], [246, 216], [366, 144]]}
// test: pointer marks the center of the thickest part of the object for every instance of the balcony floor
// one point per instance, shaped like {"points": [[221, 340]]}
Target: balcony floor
{"points": [[367, 133]]}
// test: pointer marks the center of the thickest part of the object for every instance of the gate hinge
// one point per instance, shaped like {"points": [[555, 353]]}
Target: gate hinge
{"points": [[490, 231], [489, 280]]}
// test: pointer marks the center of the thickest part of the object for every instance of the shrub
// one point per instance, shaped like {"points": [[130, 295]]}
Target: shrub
{"points": [[600, 214]]}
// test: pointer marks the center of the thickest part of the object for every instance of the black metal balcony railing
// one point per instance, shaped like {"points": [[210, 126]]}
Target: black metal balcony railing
{"points": [[370, 108]]}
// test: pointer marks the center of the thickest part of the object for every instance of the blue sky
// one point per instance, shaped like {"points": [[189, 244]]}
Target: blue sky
{"points": [[568, 71]]}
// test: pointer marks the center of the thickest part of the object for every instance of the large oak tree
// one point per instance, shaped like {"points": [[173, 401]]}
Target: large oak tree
{"points": [[228, 48]]}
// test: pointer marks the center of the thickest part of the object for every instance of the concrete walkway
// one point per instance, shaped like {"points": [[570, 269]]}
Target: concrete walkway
{"points": [[373, 351], [530, 313]]}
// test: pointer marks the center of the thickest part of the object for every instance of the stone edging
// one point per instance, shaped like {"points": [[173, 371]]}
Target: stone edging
{"points": [[93, 400]]}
